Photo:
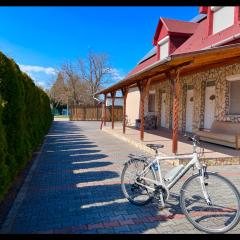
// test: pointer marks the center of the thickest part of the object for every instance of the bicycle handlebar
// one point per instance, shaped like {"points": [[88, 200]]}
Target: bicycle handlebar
{"points": [[195, 139], [192, 138]]}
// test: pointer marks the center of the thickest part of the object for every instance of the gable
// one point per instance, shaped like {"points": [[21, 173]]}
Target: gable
{"points": [[160, 32]]}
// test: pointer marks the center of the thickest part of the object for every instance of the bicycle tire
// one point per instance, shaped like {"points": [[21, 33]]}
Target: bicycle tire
{"points": [[123, 185], [214, 214]]}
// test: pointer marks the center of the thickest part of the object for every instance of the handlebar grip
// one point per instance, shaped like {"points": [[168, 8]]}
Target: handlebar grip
{"points": [[190, 138]]}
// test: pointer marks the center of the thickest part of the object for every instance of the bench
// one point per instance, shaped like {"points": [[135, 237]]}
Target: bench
{"points": [[223, 133]]}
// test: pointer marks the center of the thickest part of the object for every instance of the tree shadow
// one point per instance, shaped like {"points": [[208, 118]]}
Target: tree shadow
{"points": [[92, 165], [72, 188]]}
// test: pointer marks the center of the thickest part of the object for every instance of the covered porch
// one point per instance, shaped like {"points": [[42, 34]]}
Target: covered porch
{"points": [[213, 154], [171, 69]]}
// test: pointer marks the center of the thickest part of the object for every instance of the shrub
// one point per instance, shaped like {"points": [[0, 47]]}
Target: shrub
{"points": [[25, 117]]}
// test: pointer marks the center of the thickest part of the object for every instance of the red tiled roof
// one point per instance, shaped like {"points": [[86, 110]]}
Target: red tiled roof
{"points": [[143, 65], [200, 38], [177, 26], [173, 26]]}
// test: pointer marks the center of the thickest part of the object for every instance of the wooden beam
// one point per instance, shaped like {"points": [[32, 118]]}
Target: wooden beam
{"points": [[176, 92], [143, 87], [113, 99], [140, 88], [204, 67], [116, 97], [124, 93], [105, 109]]}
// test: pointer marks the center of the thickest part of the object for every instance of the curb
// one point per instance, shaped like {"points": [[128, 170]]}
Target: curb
{"points": [[7, 224]]}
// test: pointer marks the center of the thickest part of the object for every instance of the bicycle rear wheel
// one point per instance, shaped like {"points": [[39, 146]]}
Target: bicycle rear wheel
{"points": [[222, 215], [135, 193]]}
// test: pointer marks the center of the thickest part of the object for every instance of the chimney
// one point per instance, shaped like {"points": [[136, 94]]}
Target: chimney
{"points": [[203, 10]]}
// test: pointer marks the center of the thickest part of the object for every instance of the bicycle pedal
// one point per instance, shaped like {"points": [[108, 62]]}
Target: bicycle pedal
{"points": [[162, 207]]}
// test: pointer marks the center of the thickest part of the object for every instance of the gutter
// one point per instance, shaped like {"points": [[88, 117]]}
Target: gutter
{"points": [[159, 62], [234, 37]]}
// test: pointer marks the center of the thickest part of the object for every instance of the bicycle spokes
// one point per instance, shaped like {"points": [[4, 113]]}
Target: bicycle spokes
{"points": [[211, 207]]}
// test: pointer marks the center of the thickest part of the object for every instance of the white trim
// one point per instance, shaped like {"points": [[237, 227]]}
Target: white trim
{"points": [[235, 77], [215, 8], [236, 36], [162, 41]]}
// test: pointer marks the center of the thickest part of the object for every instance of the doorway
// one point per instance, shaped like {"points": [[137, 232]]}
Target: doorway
{"points": [[209, 110]]}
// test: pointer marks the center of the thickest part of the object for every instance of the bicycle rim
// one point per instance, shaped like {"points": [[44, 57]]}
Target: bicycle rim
{"points": [[135, 193], [222, 215]]}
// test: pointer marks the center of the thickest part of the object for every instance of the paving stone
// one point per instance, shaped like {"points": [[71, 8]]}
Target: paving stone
{"points": [[75, 188]]}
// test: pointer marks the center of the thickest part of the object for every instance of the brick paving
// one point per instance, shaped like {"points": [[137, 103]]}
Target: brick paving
{"points": [[74, 187]]}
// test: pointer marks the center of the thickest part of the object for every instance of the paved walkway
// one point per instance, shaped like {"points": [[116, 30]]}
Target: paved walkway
{"points": [[74, 187]]}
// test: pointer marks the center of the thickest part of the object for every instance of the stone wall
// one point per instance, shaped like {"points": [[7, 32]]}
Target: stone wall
{"points": [[164, 87], [198, 80]]}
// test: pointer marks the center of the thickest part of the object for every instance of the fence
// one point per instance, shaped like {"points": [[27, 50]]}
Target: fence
{"points": [[94, 113]]}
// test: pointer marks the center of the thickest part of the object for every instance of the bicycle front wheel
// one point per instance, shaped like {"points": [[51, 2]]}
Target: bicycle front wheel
{"points": [[222, 214], [133, 188]]}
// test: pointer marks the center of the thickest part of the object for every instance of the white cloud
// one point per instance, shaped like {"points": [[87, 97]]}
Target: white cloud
{"points": [[116, 74], [30, 69], [40, 83], [40, 75]]}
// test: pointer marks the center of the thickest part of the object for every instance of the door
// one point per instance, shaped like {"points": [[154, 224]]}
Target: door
{"points": [[209, 107], [163, 110], [189, 110]]}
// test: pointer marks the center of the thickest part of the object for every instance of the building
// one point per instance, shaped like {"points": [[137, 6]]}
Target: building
{"points": [[190, 78]]}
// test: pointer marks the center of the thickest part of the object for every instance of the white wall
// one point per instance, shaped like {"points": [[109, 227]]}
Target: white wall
{"points": [[132, 105], [222, 18], [164, 49]]}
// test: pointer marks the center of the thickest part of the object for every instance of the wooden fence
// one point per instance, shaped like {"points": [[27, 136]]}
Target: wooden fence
{"points": [[94, 113]]}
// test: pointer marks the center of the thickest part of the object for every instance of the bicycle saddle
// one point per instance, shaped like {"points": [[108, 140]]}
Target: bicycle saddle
{"points": [[155, 146]]}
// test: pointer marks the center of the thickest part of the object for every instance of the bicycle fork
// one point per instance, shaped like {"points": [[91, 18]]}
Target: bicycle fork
{"points": [[202, 176]]}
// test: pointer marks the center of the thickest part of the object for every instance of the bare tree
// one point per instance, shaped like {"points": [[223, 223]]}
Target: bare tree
{"points": [[94, 71], [75, 87], [58, 92], [77, 83]]}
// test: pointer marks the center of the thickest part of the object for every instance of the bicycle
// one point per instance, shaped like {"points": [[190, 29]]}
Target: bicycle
{"points": [[208, 200]]}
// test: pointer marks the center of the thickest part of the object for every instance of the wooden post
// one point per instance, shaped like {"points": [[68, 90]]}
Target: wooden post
{"points": [[143, 87], [142, 117], [113, 98], [176, 92], [124, 93], [105, 110]]}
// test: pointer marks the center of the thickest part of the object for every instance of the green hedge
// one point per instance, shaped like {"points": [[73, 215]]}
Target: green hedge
{"points": [[25, 117]]}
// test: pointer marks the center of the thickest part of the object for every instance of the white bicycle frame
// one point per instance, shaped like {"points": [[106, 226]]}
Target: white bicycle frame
{"points": [[193, 162]]}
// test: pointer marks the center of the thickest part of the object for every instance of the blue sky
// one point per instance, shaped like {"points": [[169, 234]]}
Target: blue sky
{"points": [[41, 39]]}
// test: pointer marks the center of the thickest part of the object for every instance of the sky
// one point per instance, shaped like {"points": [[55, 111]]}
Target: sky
{"points": [[41, 39]]}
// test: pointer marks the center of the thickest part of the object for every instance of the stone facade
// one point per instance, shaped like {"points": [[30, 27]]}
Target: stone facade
{"points": [[198, 80]]}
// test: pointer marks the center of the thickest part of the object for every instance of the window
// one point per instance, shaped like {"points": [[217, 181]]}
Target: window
{"points": [[151, 102], [234, 97], [164, 47], [223, 17]]}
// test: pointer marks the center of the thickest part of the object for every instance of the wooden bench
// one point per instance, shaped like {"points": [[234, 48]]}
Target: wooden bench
{"points": [[223, 133]]}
